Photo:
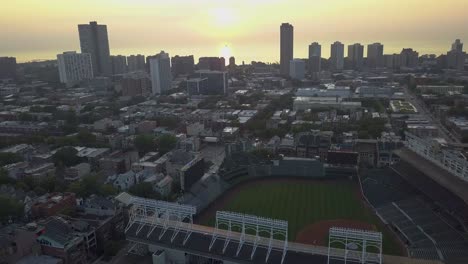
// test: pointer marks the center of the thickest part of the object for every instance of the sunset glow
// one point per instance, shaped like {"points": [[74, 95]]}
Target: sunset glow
{"points": [[198, 27]]}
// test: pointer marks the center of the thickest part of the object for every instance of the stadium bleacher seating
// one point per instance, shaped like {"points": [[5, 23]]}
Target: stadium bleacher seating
{"points": [[427, 230]]}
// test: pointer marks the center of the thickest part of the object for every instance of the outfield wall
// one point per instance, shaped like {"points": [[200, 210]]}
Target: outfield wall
{"points": [[289, 167]]}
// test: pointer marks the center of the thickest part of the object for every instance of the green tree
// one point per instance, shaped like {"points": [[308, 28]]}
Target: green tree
{"points": [[66, 156], [10, 208], [4, 179], [144, 190], [263, 154], [91, 184], [166, 143], [27, 183], [108, 190], [86, 138], [145, 144], [9, 158]]}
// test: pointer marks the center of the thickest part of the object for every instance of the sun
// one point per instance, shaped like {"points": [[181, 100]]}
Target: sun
{"points": [[226, 52]]}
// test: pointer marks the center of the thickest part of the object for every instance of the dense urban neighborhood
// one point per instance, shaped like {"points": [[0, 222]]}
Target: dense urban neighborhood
{"points": [[91, 143]]}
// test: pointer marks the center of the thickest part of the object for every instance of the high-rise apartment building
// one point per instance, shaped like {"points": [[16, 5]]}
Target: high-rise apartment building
{"points": [[136, 63], [212, 63], [456, 57], [232, 62], [74, 67], [337, 56], [286, 47], [391, 61], [160, 71], [7, 68], [457, 46], [315, 57], [375, 55], [409, 58], [356, 56], [119, 64], [297, 69], [94, 40], [182, 65]]}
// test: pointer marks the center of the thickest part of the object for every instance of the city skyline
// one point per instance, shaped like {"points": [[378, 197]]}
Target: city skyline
{"points": [[207, 29]]}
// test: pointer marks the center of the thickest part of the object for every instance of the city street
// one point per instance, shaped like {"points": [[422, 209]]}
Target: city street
{"points": [[423, 110]]}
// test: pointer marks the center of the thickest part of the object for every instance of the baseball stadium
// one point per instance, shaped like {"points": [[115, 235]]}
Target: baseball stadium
{"points": [[302, 210]]}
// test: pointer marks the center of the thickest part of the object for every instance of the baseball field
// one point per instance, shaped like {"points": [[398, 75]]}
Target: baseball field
{"points": [[310, 207]]}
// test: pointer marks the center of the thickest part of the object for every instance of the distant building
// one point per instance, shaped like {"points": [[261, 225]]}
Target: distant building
{"points": [[315, 57], [118, 162], [119, 64], [94, 40], [7, 68], [182, 65], [136, 63], [164, 186], [457, 46], [136, 84], [23, 128], [208, 83], [456, 57], [74, 67], [440, 89], [286, 47], [76, 172], [52, 203], [59, 239], [160, 70], [211, 63], [297, 69], [375, 55], [337, 56], [232, 62], [409, 58], [196, 86], [356, 56], [391, 61], [122, 181], [304, 103]]}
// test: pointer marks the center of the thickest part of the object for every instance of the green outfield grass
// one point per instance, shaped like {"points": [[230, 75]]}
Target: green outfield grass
{"points": [[304, 203]]}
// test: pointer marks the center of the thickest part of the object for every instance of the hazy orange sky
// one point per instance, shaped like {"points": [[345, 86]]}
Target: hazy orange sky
{"points": [[39, 29]]}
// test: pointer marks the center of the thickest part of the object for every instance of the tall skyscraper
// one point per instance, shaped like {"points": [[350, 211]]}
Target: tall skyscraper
{"points": [[7, 68], [356, 56], [297, 69], [456, 56], [409, 58], [337, 56], [232, 62], [74, 67], [375, 55], [315, 57], [119, 64], [94, 40], [286, 47], [160, 70], [182, 65], [136, 63], [457, 46]]}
